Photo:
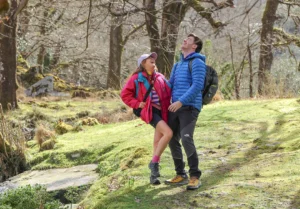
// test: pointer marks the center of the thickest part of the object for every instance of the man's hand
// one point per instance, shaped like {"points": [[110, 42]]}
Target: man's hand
{"points": [[175, 106], [142, 104]]}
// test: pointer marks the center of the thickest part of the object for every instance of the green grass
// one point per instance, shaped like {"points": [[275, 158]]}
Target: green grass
{"points": [[249, 154], [66, 108]]}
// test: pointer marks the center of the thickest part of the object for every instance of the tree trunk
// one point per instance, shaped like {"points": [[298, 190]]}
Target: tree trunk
{"points": [[266, 55], [250, 71], [42, 50], [250, 61], [8, 61], [173, 14], [56, 56], [115, 53], [236, 72], [153, 32]]}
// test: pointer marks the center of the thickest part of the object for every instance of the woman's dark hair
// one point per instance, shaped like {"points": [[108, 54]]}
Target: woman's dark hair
{"points": [[197, 41]]}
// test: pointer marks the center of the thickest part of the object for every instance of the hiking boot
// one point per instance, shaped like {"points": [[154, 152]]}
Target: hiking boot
{"points": [[154, 180], [193, 184], [154, 167], [177, 180]]}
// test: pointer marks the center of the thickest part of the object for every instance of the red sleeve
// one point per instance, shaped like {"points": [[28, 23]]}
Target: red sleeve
{"points": [[128, 93]]}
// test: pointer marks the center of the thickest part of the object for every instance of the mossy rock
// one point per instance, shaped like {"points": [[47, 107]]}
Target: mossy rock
{"points": [[31, 76], [89, 121], [80, 93], [44, 105], [62, 128], [21, 70], [135, 159], [108, 94], [48, 144], [61, 85], [22, 62], [83, 114]]}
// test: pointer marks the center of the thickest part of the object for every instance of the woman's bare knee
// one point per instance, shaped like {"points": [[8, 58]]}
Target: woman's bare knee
{"points": [[169, 133], [165, 130]]}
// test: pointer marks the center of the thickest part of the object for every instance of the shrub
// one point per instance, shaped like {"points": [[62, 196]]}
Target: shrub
{"points": [[119, 114], [48, 144], [62, 128], [36, 115], [83, 114], [89, 121], [42, 135], [28, 197], [80, 93], [12, 149]]}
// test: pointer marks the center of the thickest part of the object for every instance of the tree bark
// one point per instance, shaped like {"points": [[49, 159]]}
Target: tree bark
{"points": [[266, 55], [42, 50], [250, 62], [115, 53], [236, 72], [56, 56], [153, 31], [173, 14], [8, 61]]}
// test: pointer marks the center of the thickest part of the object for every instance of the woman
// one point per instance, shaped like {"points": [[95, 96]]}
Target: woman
{"points": [[153, 106]]}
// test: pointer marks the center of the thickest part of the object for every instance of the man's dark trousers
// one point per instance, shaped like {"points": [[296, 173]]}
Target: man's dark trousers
{"points": [[183, 122]]}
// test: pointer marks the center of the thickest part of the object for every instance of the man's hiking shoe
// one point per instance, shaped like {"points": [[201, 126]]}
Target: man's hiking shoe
{"points": [[177, 180], [154, 167], [154, 180], [193, 184]]}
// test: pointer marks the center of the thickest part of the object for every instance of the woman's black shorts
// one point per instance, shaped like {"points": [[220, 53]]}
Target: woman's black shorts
{"points": [[156, 117]]}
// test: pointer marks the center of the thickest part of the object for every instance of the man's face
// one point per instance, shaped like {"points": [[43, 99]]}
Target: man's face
{"points": [[188, 43]]}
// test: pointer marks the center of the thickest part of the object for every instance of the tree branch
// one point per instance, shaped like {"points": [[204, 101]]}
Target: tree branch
{"points": [[205, 13], [21, 6], [123, 13], [289, 2], [132, 32], [88, 26], [281, 35]]}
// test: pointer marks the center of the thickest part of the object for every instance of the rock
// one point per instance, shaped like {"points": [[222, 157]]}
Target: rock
{"points": [[28, 133], [54, 179], [41, 87]]}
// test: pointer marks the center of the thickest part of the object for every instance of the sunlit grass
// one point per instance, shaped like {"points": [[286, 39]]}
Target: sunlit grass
{"points": [[248, 150]]}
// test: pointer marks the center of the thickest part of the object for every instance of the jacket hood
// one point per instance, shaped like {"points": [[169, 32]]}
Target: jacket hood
{"points": [[192, 56]]}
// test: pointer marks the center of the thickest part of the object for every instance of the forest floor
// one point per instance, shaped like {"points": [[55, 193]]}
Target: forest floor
{"points": [[249, 155]]}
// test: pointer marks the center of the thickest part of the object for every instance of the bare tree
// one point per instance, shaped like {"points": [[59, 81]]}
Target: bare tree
{"points": [[164, 41], [266, 54], [8, 50], [269, 35], [118, 41]]}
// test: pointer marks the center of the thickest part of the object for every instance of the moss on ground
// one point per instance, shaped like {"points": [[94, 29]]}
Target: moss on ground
{"points": [[248, 150]]}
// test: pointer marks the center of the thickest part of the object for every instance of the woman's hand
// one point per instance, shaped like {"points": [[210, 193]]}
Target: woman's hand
{"points": [[142, 104]]}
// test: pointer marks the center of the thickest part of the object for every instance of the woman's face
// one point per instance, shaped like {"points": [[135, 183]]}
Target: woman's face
{"points": [[149, 65]]}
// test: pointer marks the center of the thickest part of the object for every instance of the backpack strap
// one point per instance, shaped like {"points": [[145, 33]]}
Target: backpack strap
{"points": [[168, 83], [191, 65], [136, 87], [144, 80]]}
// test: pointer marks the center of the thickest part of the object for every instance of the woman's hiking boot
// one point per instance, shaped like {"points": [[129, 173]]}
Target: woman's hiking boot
{"points": [[154, 167], [194, 183], [178, 180], [154, 180]]}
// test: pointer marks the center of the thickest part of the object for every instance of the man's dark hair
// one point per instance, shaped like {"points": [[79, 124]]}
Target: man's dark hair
{"points": [[197, 41]]}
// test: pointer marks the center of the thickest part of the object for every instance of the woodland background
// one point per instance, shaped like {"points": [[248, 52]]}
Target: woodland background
{"points": [[253, 44]]}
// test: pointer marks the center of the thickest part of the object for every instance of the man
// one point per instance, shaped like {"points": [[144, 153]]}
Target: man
{"points": [[184, 110]]}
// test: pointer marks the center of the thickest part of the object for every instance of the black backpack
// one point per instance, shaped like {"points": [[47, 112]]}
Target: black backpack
{"points": [[210, 83]]}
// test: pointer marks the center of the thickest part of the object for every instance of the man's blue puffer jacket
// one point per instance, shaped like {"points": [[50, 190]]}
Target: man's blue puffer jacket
{"points": [[187, 86]]}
